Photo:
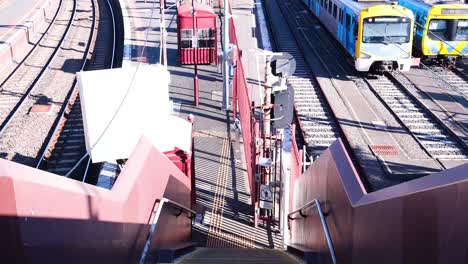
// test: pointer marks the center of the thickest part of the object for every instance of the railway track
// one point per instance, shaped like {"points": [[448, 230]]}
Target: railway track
{"points": [[317, 124], [457, 79], [23, 80], [434, 137], [429, 137], [66, 149], [26, 132]]}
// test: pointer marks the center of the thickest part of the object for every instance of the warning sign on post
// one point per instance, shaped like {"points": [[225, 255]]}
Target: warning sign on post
{"points": [[266, 197]]}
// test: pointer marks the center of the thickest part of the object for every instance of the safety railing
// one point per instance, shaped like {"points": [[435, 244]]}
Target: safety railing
{"points": [[316, 203], [190, 213], [241, 98]]}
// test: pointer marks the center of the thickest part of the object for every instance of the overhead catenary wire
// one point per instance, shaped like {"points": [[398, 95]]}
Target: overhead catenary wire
{"points": [[123, 99]]}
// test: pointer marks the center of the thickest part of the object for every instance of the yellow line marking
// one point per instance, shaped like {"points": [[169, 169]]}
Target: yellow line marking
{"points": [[216, 237]]}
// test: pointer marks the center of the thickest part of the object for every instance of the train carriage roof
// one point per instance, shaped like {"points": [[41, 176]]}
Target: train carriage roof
{"points": [[356, 6], [426, 5]]}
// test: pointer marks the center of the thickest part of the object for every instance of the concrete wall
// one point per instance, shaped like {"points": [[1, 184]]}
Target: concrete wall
{"points": [[420, 221], [48, 218], [19, 41]]}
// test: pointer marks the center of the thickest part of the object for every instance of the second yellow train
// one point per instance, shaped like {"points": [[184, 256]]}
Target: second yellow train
{"points": [[441, 30]]}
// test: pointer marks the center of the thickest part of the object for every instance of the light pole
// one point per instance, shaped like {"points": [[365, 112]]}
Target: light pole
{"points": [[163, 49], [195, 55], [225, 57]]}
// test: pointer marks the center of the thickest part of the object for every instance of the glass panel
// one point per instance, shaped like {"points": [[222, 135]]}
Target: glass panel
{"points": [[186, 44], [186, 34], [348, 20], [438, 29], [206, 38], [386, 30], [462, 30]]}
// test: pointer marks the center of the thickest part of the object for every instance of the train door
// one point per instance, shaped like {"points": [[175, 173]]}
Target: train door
{"points": [[347, 30], [354, 36], [340, 31]]}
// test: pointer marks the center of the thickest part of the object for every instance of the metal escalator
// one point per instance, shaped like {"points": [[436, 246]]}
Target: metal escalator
{"points": [[237, 255]]}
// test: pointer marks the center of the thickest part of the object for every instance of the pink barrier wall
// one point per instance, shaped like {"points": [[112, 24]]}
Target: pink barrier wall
{"points": [[296, 166], [420, 221], [45, 217], [18, 44]]}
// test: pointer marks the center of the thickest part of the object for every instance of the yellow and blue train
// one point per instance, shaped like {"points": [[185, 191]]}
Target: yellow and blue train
{"points": [[441, 29], [377, 35]]}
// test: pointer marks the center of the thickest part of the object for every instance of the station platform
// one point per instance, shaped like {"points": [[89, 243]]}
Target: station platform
{"points": [[222, 188], [21, 22]]}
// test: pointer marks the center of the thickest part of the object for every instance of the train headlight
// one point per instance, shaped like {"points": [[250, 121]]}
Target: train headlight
{"points": [[405, 56], [363, 55]]}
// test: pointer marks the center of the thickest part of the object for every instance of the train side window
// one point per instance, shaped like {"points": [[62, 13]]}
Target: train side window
{"points": [[334, 10], [348, 20], [186, 38], [330, 7], [341, 16], [325, 4]]}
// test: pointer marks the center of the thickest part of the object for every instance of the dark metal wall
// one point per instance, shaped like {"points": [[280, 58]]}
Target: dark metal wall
{"points": [[420, 221]]}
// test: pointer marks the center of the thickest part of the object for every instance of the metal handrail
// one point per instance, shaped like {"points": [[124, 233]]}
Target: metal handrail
{"points": [[190, 213], [316, 203]]}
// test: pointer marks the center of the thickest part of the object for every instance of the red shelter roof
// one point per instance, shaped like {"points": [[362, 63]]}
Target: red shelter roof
{"points": [[201, 10]]}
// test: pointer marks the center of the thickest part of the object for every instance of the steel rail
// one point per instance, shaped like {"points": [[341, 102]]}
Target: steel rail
{"points": [[434, 117], [316, 203], [74, 93], [429, 96], [123, 99], [457, 139], [317, 121], [32, 87], [457, 72], [88, 163], [163, 201]]}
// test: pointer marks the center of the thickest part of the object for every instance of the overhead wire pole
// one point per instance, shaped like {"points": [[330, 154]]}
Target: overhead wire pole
{"points": [[195, 57], [225, 57], [162, 45]]}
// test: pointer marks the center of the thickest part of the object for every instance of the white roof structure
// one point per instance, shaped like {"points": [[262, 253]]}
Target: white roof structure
{"points": [[120, 105]]}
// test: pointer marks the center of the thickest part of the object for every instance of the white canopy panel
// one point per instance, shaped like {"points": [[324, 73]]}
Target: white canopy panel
{"points": [[120, 105]]}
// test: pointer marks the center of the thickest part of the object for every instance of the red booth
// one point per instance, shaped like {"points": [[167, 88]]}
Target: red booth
{"points": [[201, 49]]}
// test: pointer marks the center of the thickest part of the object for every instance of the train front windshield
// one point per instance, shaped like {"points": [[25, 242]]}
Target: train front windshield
{"points": [[386, 30], [448, 29]]}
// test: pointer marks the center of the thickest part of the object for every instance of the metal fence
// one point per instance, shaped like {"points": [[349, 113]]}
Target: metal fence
{"points": [[242, 104]]}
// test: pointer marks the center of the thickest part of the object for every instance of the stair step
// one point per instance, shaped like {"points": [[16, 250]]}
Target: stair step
{"points": [[236, 255]]}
